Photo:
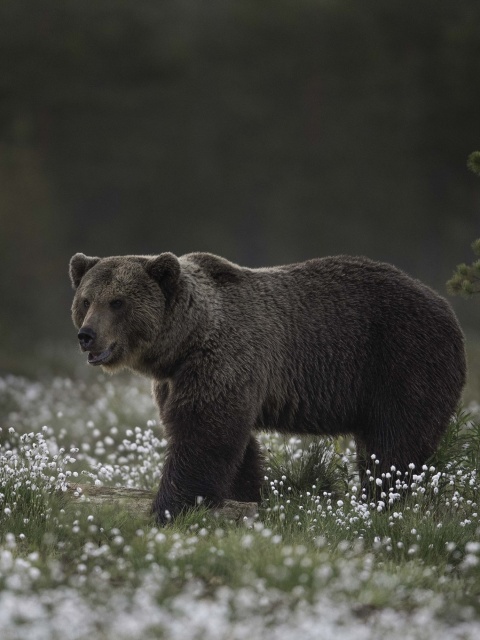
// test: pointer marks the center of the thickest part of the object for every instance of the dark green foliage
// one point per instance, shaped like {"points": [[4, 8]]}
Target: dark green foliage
{"points": [[319, 465], [466, 278], [459, 449], [473, 162]]}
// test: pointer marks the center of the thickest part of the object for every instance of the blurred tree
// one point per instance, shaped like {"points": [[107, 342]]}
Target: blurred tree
{"points": [[466, 279], [268, 131]]}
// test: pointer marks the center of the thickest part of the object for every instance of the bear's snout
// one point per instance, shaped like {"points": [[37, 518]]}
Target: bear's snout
{"points": [[86, 337]]}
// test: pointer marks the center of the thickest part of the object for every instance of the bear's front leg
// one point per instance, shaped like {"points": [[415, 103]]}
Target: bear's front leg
{"points": [[205, 450]]}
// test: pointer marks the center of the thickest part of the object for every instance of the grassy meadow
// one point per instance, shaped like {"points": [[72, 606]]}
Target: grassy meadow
{"points": [[320, 561]]}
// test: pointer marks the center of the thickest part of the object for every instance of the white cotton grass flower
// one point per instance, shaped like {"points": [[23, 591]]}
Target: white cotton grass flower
{"points": [[314, 553]]}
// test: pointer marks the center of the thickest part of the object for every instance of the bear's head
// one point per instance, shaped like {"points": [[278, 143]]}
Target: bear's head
{"points": [[120, 305]]}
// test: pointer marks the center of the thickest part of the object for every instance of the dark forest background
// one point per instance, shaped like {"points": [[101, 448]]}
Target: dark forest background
{"points": [[265, 131]]}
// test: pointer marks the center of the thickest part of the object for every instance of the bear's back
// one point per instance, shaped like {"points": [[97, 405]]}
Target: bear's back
{"points": [[329, 299], [343, 332]]}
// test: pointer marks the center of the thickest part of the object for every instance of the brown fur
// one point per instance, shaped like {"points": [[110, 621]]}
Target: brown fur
{"points": [[336, 345]]}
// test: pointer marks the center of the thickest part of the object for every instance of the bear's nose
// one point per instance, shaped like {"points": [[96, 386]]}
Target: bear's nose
{"points": [[86, 337]]}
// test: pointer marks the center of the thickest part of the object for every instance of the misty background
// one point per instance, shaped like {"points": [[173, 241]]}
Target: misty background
{"points": [[264, 131]]}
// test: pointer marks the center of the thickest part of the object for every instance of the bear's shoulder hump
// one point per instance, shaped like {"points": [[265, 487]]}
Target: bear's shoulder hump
{"points": [[219, 269]]}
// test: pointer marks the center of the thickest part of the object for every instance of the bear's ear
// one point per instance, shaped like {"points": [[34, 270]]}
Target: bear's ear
{"points": [[164, 269], [79, 265]]}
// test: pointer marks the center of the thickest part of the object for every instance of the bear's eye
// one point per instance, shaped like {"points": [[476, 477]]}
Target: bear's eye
{"points": [[86, 304], [116, 304]]}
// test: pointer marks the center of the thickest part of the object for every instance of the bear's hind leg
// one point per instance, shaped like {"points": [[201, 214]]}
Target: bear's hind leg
{"points": [[249, 477], [389, 456]]}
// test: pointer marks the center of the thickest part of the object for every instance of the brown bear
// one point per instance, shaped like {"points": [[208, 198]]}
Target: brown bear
{"points": [[337, 345]]}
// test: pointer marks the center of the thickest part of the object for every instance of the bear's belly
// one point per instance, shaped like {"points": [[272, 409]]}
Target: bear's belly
{"points": [[300, 419]]}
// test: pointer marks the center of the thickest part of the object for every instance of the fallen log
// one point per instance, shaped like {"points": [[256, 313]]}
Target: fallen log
{"points": [[138, 502]]}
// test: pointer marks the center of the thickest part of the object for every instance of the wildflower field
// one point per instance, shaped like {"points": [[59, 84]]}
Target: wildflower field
{"points": [[320, 560]]}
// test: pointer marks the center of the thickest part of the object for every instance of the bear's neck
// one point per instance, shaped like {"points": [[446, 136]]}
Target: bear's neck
{"points": [[180, 338]]}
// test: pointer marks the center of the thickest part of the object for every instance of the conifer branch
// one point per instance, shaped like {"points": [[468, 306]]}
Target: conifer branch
{"points": [[466, 278]]}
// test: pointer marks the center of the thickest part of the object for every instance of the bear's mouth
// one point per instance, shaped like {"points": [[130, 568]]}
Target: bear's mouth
{"points": [[100, 357]]}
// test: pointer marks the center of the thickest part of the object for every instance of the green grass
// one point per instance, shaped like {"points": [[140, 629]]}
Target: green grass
{"points": [[317, 548]]}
